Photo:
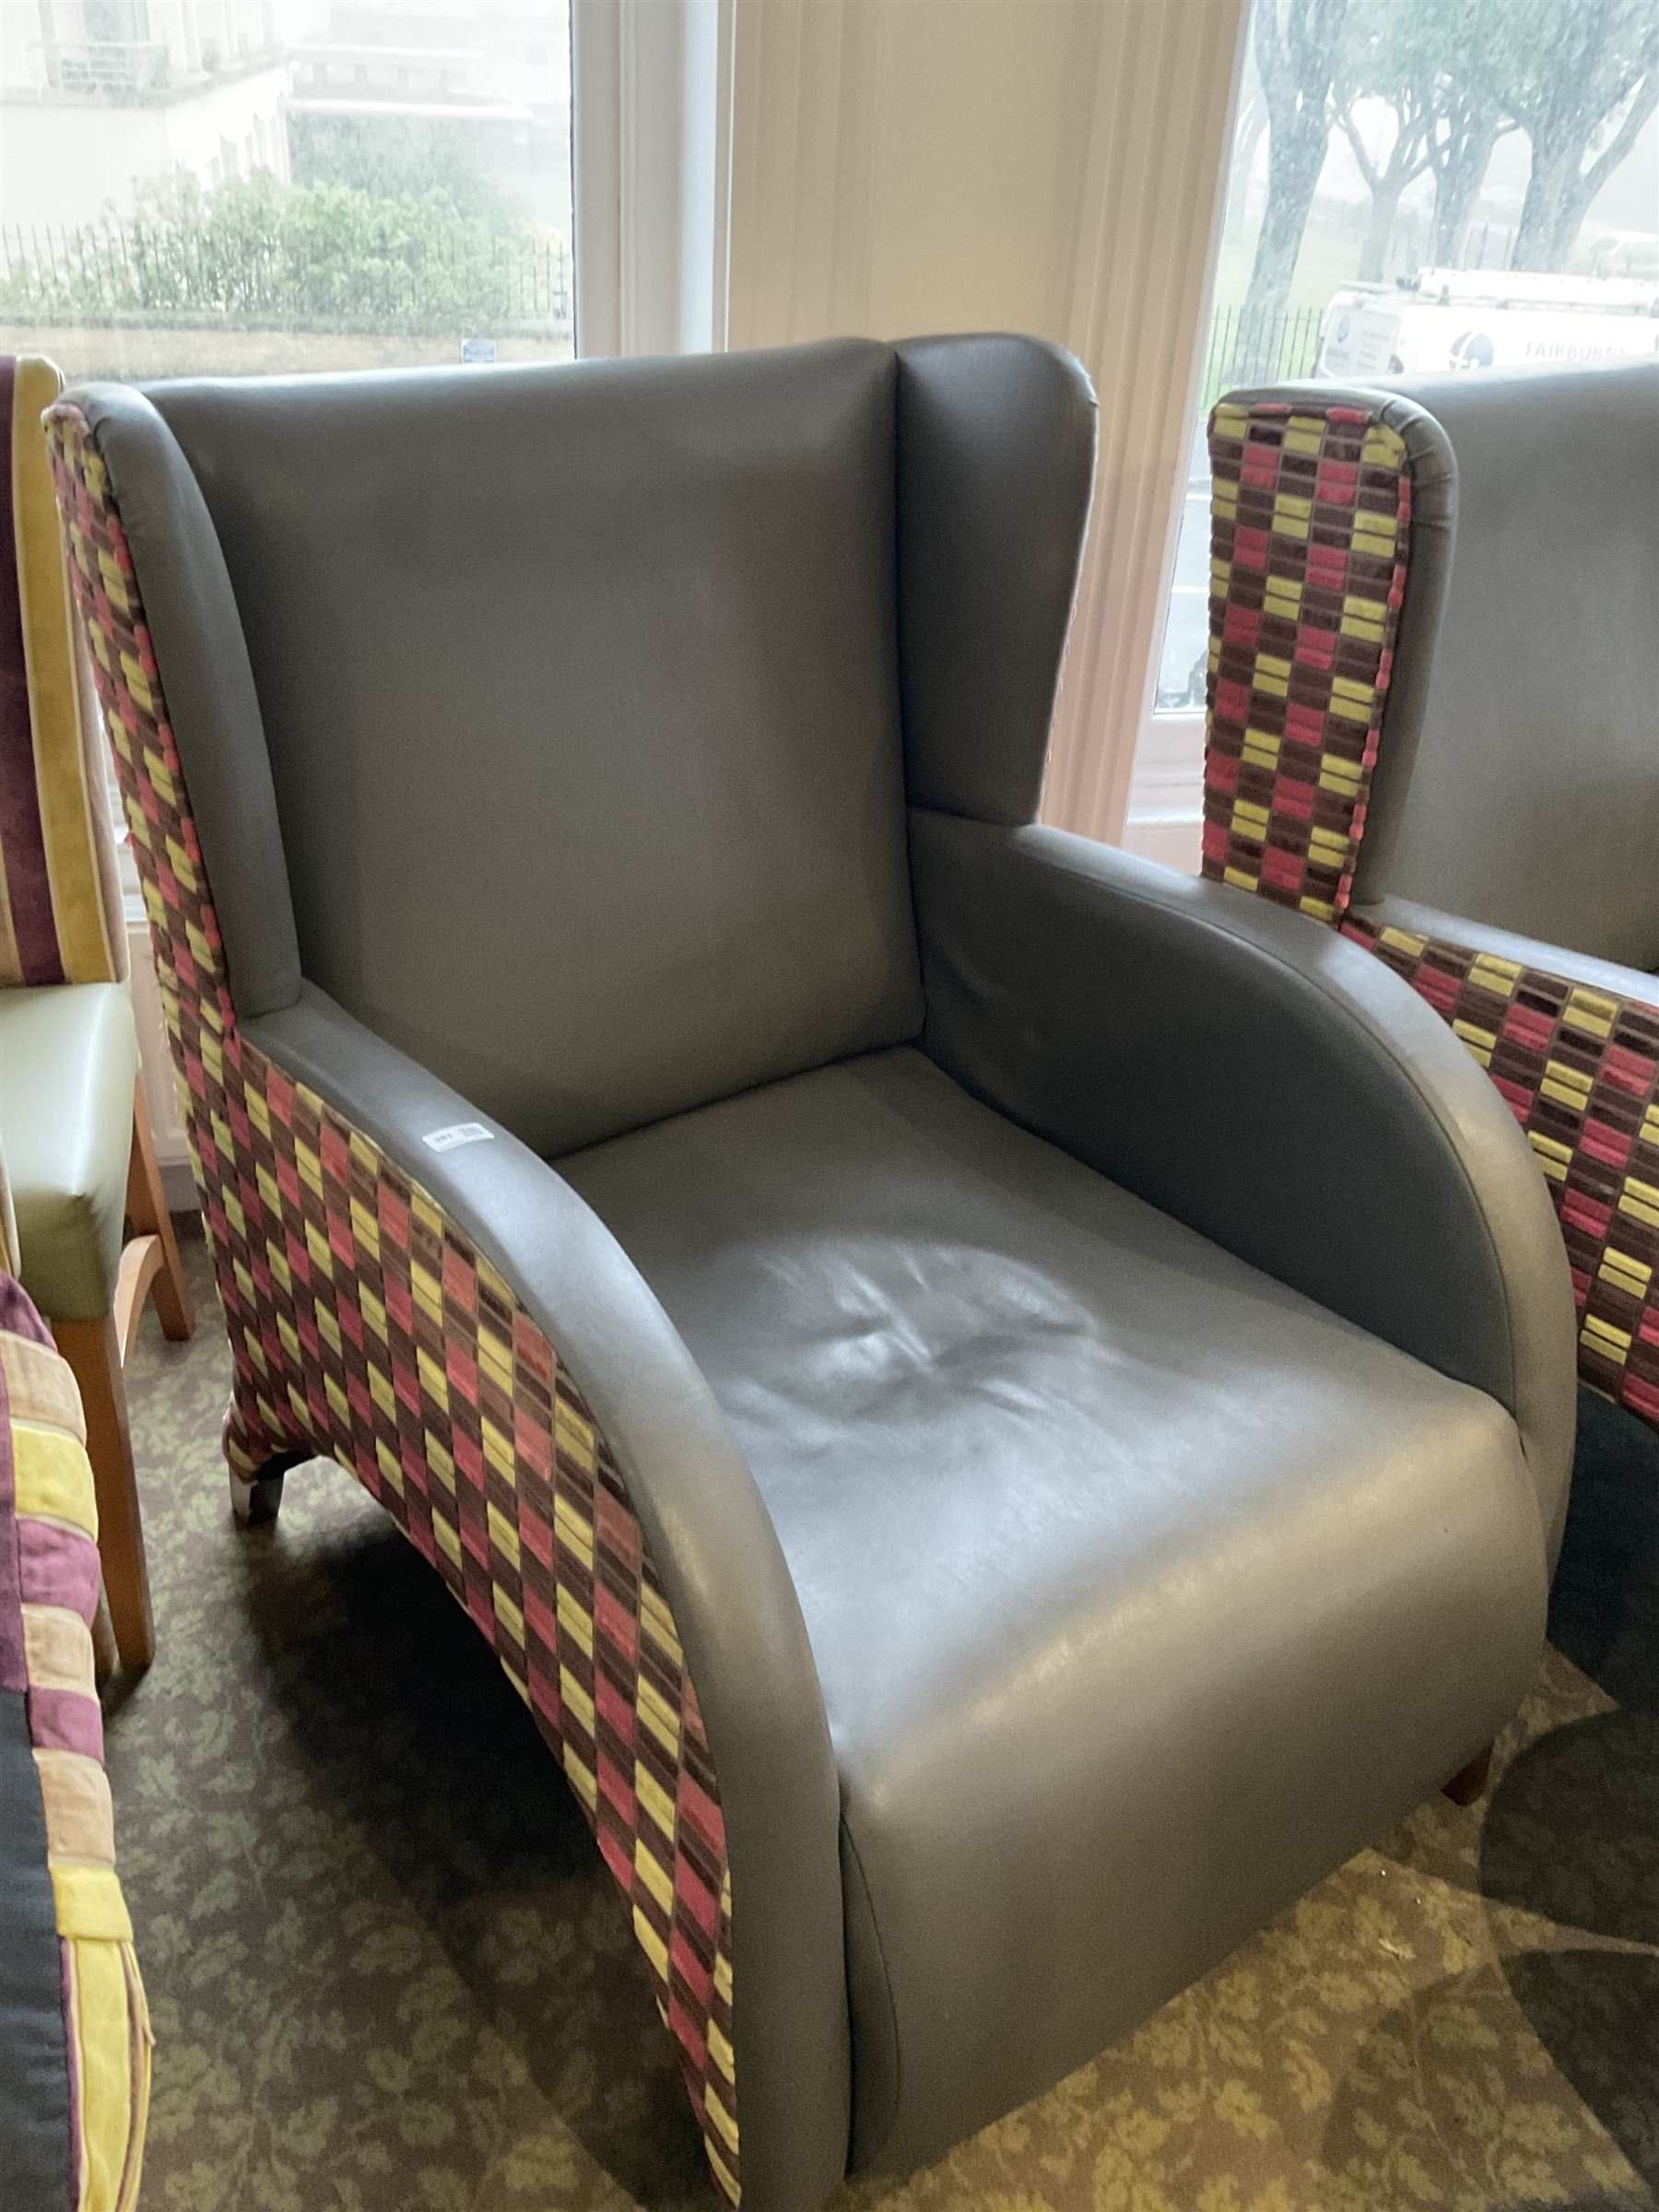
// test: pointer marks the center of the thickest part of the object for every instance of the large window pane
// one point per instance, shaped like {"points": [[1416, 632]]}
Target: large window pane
{"points": [[1416, 186], [223, 187]]}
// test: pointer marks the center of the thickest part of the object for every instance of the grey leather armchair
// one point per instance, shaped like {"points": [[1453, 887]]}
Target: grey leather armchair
{"points": [[1004, 1410]]}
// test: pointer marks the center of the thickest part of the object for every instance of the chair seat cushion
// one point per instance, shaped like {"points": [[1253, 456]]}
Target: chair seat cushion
{"points": [[1141, 1591], [68, 1060]]}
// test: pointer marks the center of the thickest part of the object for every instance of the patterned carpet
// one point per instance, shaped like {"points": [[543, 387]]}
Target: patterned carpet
{"points": [[388, 1973]]}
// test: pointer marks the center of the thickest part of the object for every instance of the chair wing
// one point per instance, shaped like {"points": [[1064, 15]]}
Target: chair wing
{"points": [[1333, 553]]}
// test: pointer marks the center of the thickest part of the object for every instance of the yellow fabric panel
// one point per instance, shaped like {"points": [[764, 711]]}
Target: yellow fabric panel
{"points": [[721, 2117], [652, 1944], [55, 1477], [81, 1821], [658, 1624], [57, 1650], [143, 2044], [40, 1387], [91, 1908], [1590, 1010], [103, 2037], [74, 814], [1403, 941]]}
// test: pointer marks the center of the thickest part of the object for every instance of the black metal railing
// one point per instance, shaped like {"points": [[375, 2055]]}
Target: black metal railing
{"points": [[1247, 347]]}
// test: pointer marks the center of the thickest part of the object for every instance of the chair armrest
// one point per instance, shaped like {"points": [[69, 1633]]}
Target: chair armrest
{"points": [[1246, 1071], [1371, 917], [712, 1542], [1571, 1044]]}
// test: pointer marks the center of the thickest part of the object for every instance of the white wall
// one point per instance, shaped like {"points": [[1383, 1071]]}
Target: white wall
{"points": [[64, 160]]}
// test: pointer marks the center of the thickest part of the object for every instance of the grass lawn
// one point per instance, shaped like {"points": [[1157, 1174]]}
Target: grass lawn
{"points": [[1323, 263]]}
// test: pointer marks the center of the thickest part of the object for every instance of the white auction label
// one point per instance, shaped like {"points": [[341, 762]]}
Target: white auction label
{"points": [[458, 1133]]}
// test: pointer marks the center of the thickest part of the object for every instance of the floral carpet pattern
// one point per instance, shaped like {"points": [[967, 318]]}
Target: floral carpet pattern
{"points": [[388, 1973]]}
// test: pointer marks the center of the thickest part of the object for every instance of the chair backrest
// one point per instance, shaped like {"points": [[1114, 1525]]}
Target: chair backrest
{"points": [[1530, 798], [1310, 524], [1435, 659], [556, 719], [60, 909]]}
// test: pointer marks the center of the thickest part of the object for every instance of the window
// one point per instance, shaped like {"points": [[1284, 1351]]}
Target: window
{"points": [[166, 211], [1416, 186], [214, 187]]}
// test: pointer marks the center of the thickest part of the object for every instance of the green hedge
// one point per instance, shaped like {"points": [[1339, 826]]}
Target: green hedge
{"points": [[258, 254]]}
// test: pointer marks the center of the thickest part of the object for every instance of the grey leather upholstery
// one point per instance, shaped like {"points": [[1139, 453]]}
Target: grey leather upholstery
{"points": [[1078, 1345], [1105, 1544], [995, 449], [1261, 1081], [1526, 795], [442, 585]]}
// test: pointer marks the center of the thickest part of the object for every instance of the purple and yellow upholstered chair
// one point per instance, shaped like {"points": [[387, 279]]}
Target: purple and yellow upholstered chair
{"points": [[950, 1441], [75, 2035], [72, 1118], [1434, 726]]}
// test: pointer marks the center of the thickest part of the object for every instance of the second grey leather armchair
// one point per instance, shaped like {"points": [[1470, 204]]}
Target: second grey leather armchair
{"points": [[1005, 1411]]}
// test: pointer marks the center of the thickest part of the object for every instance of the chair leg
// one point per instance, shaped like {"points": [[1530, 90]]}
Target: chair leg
{"points": [[254, 1504], [105, 1657], [93, 1351], [147, 1210], [255, 1471], [1469, 1782]]}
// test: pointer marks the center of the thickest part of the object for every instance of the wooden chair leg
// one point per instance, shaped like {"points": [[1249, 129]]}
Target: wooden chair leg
{"points": [[142, 1265], [105, 1657], [147, 1210], [93, 1351], [1469, 1782]]}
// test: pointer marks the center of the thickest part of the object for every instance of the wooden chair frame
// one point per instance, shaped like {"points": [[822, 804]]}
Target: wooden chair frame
{"points": [[97, 1350]]}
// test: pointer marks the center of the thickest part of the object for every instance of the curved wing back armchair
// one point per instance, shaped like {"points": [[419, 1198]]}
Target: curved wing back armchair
{"points": [[906, 1332], [1434, 669]]}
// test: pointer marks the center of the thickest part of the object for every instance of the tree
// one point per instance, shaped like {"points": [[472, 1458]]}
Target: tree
{"points": [[1248, 132], [1389, 52], [1296, 47], [1460, 151], [396, 156], [262, 254], [1480, 42], [1584, 75]]}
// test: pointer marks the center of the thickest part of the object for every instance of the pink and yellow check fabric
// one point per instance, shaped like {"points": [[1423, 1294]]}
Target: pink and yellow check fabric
{"points": [[1310, 554]]}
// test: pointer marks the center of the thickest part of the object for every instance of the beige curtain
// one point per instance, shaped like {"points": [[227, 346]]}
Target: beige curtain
{"points": [[1053, 166]]}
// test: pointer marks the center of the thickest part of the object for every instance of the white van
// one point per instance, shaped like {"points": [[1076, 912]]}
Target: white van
{"points": [[1486, 319]]}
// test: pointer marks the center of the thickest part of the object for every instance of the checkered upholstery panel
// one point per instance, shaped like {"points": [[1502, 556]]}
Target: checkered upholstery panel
{"points": [[365, 1326], [1309, 525], [1311, 538], [1580, 1071]]}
